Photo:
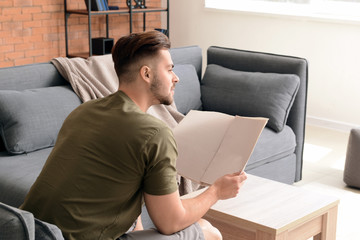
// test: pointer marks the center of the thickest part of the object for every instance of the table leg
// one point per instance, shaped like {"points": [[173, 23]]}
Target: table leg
{"points": [[328, 231]]}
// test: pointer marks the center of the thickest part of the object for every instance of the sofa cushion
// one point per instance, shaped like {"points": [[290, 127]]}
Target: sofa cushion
{"points": [[31, 119], [251, 94], [18, 173], [16, 223], [187, 91], [272, 146]]}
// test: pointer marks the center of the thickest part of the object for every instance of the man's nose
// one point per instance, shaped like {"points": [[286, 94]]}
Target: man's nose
{"points": [[176, 78]]}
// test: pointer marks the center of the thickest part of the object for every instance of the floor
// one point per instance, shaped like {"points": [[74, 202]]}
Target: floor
{"points": [[324, 159]]}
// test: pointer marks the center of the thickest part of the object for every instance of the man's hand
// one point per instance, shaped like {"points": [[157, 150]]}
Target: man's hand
{"points": [[229, 185]]}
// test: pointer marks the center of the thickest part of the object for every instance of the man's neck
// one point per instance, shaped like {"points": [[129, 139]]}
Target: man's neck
{"points": [[138, 96]]}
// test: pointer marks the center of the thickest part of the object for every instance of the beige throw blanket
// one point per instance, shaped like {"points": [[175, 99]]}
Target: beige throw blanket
{"points": [[95, 77], [90, 78]]}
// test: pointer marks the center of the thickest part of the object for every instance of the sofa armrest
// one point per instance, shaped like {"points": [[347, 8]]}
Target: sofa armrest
{"points": [[16, 223], [20, 224], [250, 61]]}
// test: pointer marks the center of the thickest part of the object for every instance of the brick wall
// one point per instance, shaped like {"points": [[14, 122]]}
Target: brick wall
{"points": [[33, 31]]}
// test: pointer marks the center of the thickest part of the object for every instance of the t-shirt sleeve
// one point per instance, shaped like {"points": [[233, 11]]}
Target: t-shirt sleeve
{"points": [[160, 154]]}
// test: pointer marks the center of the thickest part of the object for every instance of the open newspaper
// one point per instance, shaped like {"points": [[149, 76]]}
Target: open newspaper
{"points": [[212, 144]]}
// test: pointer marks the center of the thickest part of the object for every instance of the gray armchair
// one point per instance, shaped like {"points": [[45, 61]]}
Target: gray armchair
{"points": [[254, 62]]}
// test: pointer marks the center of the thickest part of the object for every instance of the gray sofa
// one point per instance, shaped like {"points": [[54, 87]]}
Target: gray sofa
{"points": [[35, 99]]}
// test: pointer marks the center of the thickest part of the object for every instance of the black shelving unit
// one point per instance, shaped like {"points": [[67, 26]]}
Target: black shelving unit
{"points": [[121, 11]]}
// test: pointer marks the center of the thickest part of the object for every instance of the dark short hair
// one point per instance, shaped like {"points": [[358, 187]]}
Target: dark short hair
{"points": [[130, 49]]}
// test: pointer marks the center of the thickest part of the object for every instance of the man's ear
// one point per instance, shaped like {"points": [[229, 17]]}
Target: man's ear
{"points": [[145, 73]]}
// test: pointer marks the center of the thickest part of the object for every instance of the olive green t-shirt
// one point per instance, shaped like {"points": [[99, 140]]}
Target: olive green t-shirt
{"points": [[108, 153]]}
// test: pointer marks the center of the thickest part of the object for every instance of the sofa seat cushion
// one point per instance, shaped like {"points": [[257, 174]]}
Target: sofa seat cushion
{"points": [[18, 173], [272, 146]]}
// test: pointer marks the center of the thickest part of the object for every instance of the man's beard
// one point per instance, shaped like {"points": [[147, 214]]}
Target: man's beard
{"points": [[155, 89]]}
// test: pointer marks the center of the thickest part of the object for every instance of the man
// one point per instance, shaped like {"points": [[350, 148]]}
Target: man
{"points": [[110, 156]]}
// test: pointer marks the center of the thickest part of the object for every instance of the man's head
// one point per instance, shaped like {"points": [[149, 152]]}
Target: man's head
{"points": [[145, 58], [132, 51]]}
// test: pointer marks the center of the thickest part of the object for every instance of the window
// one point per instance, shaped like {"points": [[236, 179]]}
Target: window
{"points": [[325, 9]]}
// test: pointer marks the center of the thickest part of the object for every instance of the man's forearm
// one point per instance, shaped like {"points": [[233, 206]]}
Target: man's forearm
{"points": [[196, 208], [171, 214], [226, 187], [170, 217]]}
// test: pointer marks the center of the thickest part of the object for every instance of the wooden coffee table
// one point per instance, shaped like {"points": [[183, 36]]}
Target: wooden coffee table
{"points": [[266, 209]]}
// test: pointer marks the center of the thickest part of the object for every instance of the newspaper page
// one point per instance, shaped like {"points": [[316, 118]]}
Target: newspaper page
{"points": [[212, 144]]}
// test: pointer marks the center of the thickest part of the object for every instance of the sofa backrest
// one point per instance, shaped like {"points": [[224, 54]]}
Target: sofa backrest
{"points": [[42, 75], [188, 55], [188, 66], [30, 76], [250, 61]]}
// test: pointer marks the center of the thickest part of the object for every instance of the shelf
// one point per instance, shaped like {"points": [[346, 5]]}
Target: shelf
{"points": [[120, 11], [146, 10]]}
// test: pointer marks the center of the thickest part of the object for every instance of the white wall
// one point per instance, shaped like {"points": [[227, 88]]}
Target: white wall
{"points": [[332, 49]]}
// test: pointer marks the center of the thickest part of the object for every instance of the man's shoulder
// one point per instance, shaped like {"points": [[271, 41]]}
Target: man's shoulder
{"points": [[154, 123]]}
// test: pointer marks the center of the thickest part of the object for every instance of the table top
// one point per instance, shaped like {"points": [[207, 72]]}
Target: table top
{"points": [[271, 205]]}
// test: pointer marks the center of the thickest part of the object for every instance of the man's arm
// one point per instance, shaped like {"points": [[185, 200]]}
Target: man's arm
{"points": [[171, 214]]}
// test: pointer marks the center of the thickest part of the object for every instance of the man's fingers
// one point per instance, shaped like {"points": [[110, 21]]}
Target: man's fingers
{"points": [[236, 174], [242, 175]]}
